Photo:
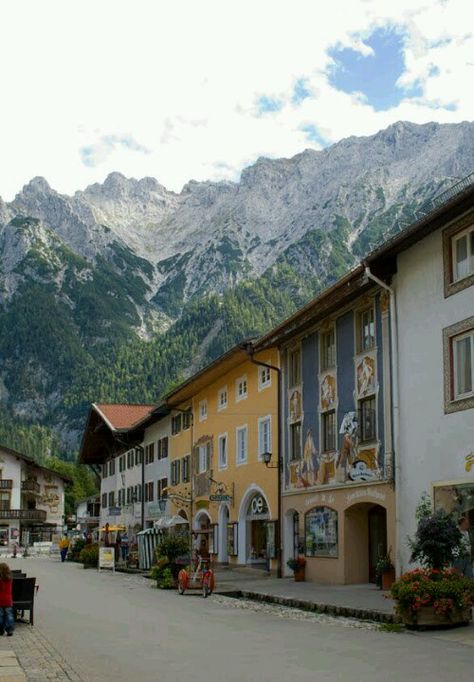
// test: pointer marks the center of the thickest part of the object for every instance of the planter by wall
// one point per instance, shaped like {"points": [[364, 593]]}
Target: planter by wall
{"points": [[299, 575], [426, 617], [388, 578]]}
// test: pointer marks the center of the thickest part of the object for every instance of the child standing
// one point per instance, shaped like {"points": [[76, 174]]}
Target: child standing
{"points": [[7, 620]]}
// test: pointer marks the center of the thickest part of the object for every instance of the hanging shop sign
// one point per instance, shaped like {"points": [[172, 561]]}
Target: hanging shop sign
{"points": [[220, 498], [115, 511]]}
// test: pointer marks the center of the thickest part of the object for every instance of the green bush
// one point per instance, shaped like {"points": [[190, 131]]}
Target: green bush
{"points": [[444, 590], [163, 575], [89, 556], [76, 549], [171, 547], [436, 540]]}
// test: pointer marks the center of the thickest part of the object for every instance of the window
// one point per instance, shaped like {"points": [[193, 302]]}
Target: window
{"points": [[463, 254], [328, 349], [186, 420], [295, 441], [202, 410], [222, 446], [321, 532], [264, 435], [162, 448], [149, 453], [241, 444], [138, 456], [112, 467], [463, 361], [112, 498], [105, 470], [240, 388], [204, 457], [162, 484], [130, 459], [104, 500], [175, 424], [328, 423], [122, 463], [294, 367], [366, 329], [175, 469], [149, 491], [264, 377], [222, 398], [368, 424], [4, 500], [458, 352], [185, 469]]}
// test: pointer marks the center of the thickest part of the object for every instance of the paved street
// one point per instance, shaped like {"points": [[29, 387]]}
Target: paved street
{"points": [[119, 627]]}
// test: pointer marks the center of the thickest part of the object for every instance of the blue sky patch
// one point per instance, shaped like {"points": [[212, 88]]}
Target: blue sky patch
{"points": [[313, 134], [300, 91], [268, 105], [374, 75]]}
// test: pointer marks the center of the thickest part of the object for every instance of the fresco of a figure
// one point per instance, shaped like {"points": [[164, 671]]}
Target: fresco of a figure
{"points": [[365, 376], [328, 392], [348, 449], [295, 407]]}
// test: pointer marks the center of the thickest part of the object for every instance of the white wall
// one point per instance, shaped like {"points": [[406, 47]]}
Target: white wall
{"points": [[433, 445]]}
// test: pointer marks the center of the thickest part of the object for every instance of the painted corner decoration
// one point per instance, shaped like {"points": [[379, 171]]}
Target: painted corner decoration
{"points": [[295, 406], [328, 392], [366, 376]]}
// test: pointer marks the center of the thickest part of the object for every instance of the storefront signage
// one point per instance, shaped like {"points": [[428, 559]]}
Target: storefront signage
{"points": [[154, 511], [361, 472], [220, 498], [319, 497], [365, 492], [106, 558], [115, 511]]}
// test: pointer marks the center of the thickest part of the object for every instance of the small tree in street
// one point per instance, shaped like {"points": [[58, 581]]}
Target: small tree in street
{"points": [[436, 541]]}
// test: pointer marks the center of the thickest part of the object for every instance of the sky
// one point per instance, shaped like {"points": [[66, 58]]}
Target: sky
{"points": [[198, 90]]}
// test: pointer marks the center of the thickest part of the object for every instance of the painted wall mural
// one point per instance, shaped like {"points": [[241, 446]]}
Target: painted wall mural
{"points": [[296, 411], [328, 392], [365, 376]]}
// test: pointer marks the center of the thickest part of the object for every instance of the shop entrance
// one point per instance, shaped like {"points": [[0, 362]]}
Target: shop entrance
{"points": [[257, 517], [365, 539]]}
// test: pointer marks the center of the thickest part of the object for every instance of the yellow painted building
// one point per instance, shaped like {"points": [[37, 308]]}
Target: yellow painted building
{"points": [[223, 419]]}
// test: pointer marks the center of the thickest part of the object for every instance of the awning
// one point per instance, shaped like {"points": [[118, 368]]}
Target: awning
{"points": [[170, 521]]}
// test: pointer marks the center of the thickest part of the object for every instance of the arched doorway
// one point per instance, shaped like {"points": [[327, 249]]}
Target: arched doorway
{"points": [[253, 517], [202, 522], [365, 540], [223, 519], [291, 538]]}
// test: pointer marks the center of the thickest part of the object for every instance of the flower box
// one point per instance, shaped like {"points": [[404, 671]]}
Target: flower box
{"points": [[426, 617]]}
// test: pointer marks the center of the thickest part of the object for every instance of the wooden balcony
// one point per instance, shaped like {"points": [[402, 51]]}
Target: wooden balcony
{"points": [[6, 483], [23, 514], [30, 486]]}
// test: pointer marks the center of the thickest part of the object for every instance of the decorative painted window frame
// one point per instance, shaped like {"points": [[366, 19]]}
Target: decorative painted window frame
{"points": [[262, 385], [450, 404], [220, 392], [451, 287]]}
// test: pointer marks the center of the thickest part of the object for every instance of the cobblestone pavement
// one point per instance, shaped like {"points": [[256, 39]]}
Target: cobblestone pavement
{"points": [[36, 655]]}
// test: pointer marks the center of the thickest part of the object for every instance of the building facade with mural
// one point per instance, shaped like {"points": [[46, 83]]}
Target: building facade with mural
{"points": [[31, 500], [337, 456], [433, 285], [224, 419]]}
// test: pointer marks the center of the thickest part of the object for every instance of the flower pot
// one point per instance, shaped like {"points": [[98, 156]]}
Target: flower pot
{"points": [[299, 575], [426, 617], [388, 578]]}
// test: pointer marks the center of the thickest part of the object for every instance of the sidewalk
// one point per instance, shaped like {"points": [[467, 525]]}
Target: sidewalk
{"points": [[29, 656], [365, 602]]}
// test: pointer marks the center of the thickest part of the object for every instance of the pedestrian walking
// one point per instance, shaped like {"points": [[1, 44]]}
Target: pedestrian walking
{"points": [[463, 562], [7, 619], [63, 548], [124, 546]]}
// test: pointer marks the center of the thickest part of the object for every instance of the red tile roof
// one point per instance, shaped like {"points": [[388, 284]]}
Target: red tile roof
{"points": [[122, 416]]}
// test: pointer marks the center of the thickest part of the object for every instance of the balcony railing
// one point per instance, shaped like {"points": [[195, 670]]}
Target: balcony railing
{"points": [[6, 484], [23, 514], [30, 486]]}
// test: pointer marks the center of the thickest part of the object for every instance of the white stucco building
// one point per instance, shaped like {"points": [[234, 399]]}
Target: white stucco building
{"points": [[31, 500], [433, 284]]}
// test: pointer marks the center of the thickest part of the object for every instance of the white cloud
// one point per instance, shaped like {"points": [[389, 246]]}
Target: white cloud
{"points": [[181, 81]]}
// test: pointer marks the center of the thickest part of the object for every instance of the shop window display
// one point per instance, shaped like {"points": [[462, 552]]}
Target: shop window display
{"points": [[321, 532]]}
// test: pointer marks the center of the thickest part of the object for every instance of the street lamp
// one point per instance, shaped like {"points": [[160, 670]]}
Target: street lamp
{"points": [[266, 457], [162, 504]]}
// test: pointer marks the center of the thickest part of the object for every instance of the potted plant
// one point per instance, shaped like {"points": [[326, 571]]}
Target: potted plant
{"points": [[385, 571], [434, 595], [297, 565]]}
